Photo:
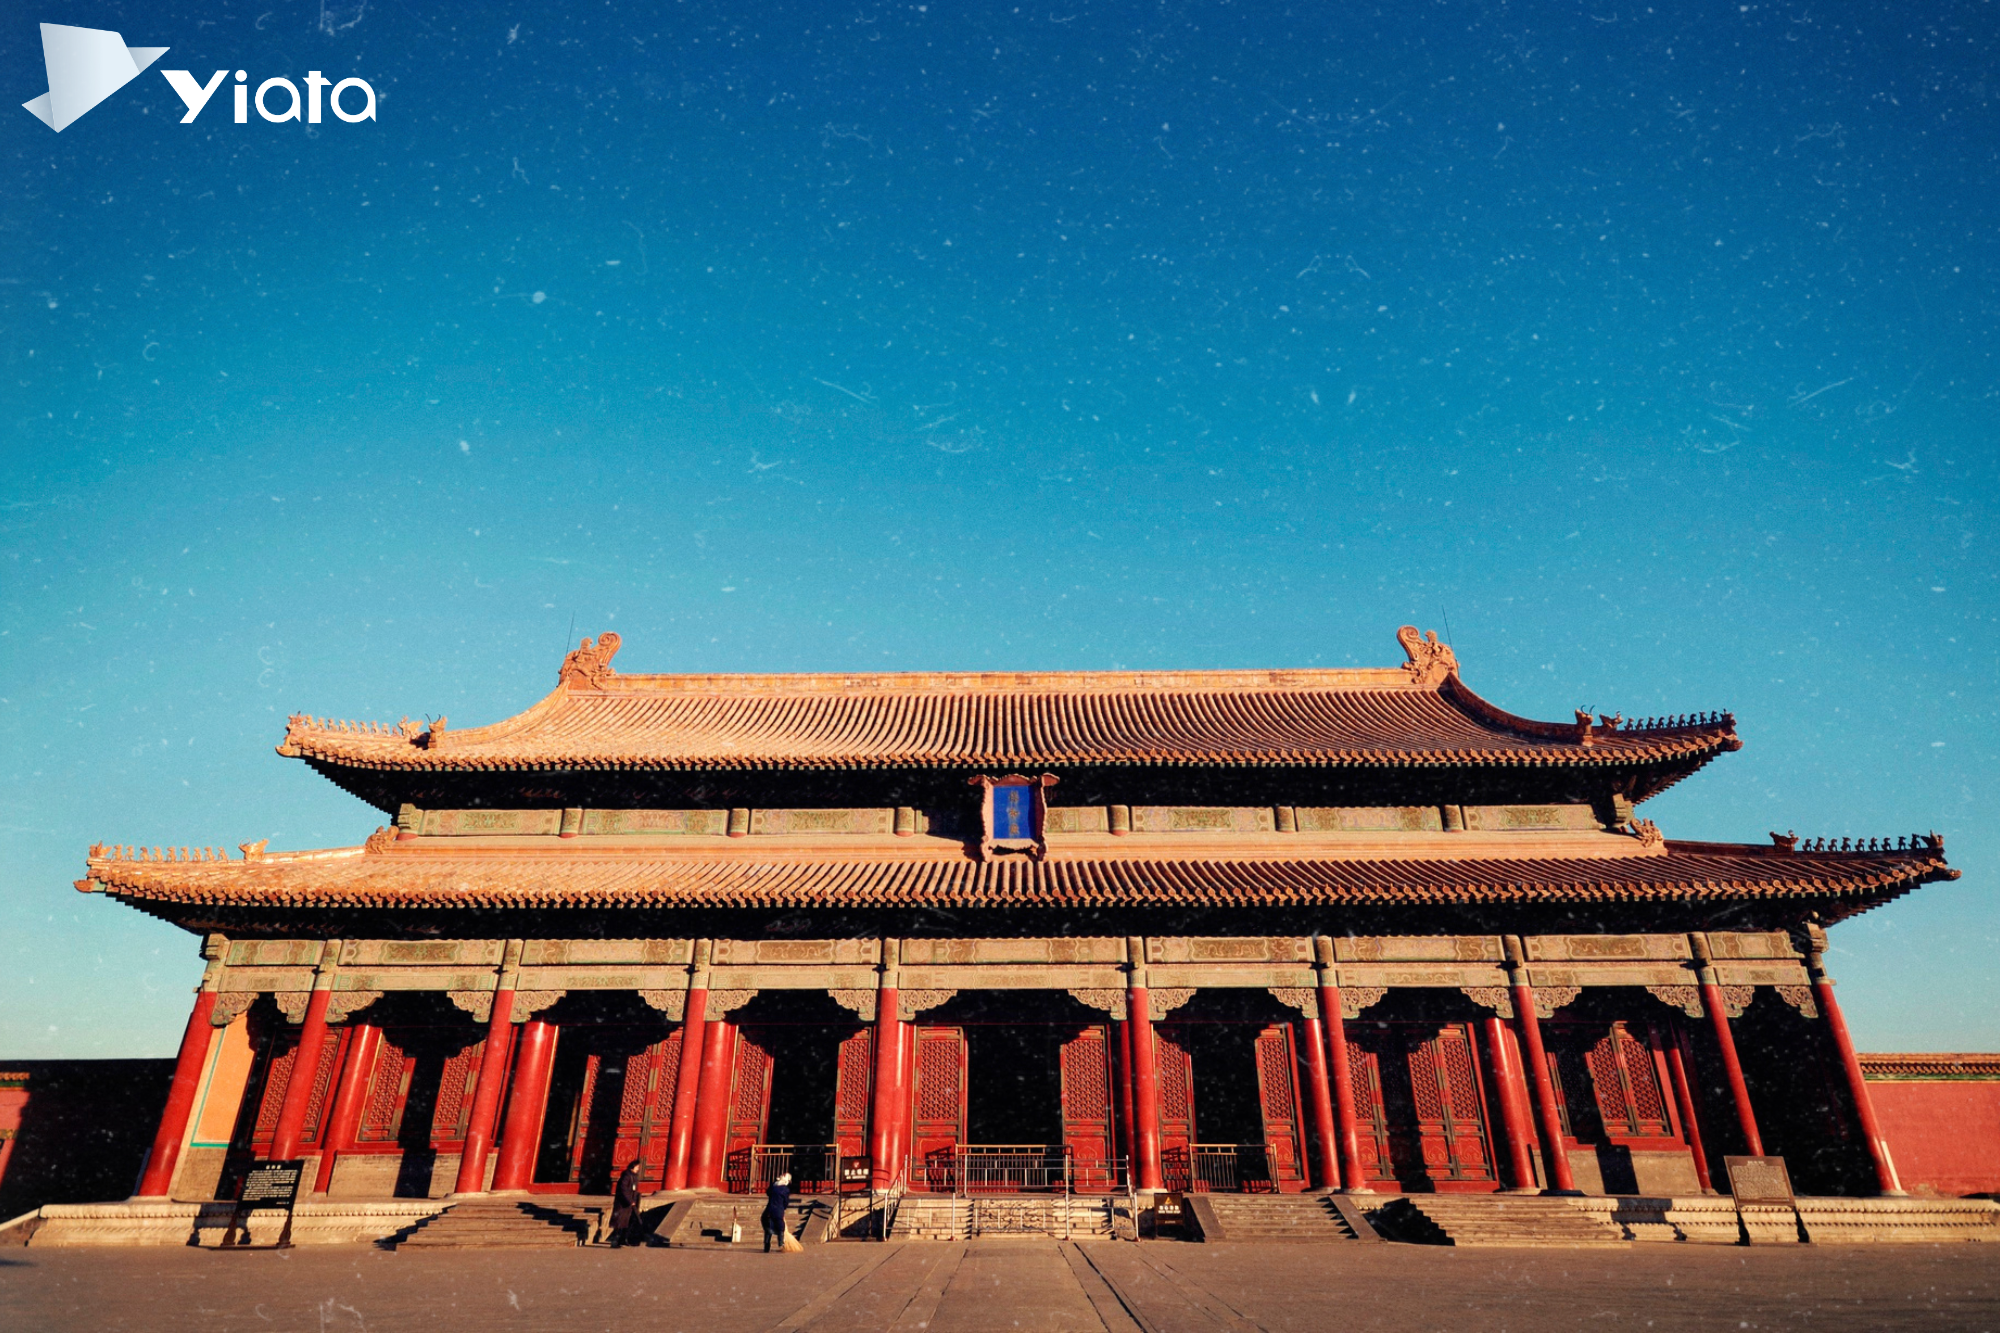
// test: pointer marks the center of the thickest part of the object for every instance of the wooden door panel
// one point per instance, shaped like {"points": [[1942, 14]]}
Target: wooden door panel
{"points": [[937, 1113], [854, 1076], [749, 1107], [1173, 1065], [1087, 1106], [1278, 1096]]}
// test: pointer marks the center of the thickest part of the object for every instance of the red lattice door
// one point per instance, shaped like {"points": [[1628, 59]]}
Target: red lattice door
{"points": [[937, 1115], [388, 1085], [749, 1108], [1451, 1112], [645, 1109], [1371, 1113], [1174, 1067], [283, 1063], [1087, 1108], [853, 1080], [1278, 1094], [1624, 1071], [456, 1087]]}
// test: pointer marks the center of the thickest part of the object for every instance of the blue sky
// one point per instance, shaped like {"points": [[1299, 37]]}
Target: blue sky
{"points": [[1651, 349]]}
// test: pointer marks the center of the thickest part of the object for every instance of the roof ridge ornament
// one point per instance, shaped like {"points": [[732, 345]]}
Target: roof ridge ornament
{"points": [[588, 666], [1430, 661]]}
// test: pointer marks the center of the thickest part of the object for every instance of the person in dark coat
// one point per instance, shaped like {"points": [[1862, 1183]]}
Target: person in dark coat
{"points": [[625, 1208], [777, 1201]]}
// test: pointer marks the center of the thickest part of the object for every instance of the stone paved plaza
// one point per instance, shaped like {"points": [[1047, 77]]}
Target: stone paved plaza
{"points": [[1004, 1285]]}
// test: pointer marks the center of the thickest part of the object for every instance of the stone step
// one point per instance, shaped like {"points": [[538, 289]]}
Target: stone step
{"points": [[1489, 1220], [495, 1224], [1291, 1218]]}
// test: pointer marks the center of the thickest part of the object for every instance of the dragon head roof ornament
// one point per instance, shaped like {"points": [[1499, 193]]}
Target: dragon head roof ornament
{"points": [[1430, 661], [588, 666]]}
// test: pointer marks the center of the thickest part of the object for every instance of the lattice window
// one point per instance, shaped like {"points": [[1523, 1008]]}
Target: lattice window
{"points": [[1274, 1071], [383, 1114], [753, 1085], [1461, 1078], [1424, 1083], [938, 1092], [1628, 1090], [323, 1074], [1086, 1088], [277, 1077], [639, 1073], [1175, 1071], [455, 1089], [857, 1056]]}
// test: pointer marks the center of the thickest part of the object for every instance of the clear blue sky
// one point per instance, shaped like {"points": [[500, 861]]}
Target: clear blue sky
{"points": [[1654, 349]]}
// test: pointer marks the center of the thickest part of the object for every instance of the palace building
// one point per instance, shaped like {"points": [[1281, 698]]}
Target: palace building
{"points": [[1271, 931]]}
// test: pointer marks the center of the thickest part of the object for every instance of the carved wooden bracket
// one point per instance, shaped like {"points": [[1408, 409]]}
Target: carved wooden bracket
{"points": [[1548, 999], [1687, 999], [1735, 999], [861, 1002], [345, 1003], [1354, 999], [528, 1003], [229, 1004], [1110, 1001], [721, 1002], [672, 1003], [1800, 998], [292, 1004], [910, 1003], [1499, 999], [1164, 1002], [478, 1003], [1302, 998]]}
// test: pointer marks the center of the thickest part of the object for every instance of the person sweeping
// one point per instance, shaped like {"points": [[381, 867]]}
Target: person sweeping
{"points": [[777, 1202]]}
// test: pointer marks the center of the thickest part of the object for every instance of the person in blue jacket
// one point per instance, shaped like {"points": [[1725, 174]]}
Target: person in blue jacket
{"points": [[777, 1201]]}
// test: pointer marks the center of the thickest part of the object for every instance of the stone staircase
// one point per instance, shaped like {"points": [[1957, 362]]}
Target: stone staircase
{"points": [[510, 1223], [1469, 1220], [1279, 1217], [708, 1219]]}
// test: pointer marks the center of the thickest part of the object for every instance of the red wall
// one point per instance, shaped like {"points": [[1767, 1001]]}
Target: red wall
{"points": [[1944, 1136]]}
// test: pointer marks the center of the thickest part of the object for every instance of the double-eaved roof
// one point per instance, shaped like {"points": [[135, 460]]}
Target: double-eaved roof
{"points": [[1390, 860]]}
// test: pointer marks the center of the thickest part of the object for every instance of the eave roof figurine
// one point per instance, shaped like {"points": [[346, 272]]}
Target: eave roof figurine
{"points": [[1246, 930]]}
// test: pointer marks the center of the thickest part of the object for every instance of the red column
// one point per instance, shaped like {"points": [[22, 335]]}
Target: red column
{"points": [[166, 1153], [887, 1141], [521, 1135], [1684, 1099], [711, 1110], [486, 1096], [1125, 1094], [305, 1070], [348, 1099], [1555, 1153], [687, 1083], [1319, 1100], [1145, 1091], [1347, 1134], [1732, 1068], [1515, 1123], [1857, 1086]]}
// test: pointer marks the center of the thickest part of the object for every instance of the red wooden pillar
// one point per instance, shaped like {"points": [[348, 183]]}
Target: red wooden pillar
{"points": [[305, 1065], [1725, 1040], [687, 1079], [338, 1135], [1516, 1126], [492, 1076], [1125, 1094], [1346, 1131], [1319, 1102], [521, 1135], [887, 1134], [1850, 1063], [1555, 1153], [1145, 1072], [711, 1109], [1684, 1099], [193, 1058]]}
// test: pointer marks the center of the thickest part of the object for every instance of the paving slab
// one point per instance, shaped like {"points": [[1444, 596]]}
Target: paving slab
{"points": [[985, 1286]]}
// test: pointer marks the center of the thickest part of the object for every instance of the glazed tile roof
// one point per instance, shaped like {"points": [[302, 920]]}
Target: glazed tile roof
{"points": [[938, 873], [1418, 714], [1931, 1066]]}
